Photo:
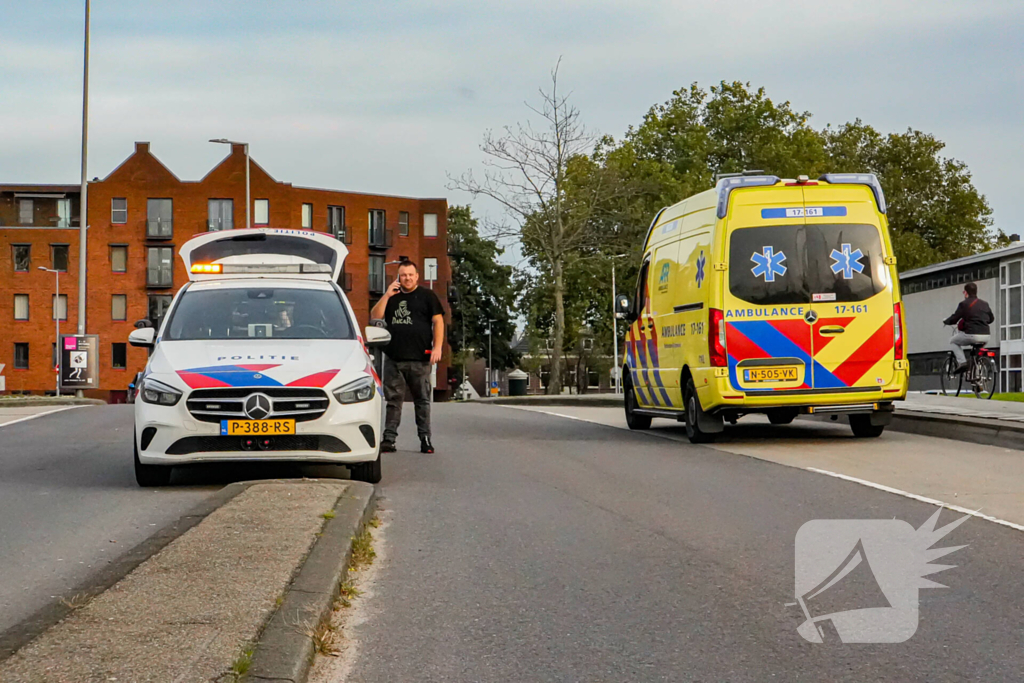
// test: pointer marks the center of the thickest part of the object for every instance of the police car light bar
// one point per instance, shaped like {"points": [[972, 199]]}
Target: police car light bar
{"points": [[725, 186], [258, 268], [868, 179]]}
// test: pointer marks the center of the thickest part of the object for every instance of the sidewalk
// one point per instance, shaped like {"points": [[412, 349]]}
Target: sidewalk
{"points": [[966, 407], [13, 414]]}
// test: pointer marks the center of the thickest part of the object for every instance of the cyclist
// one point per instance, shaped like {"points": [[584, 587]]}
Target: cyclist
{"points": [[972, 318]]}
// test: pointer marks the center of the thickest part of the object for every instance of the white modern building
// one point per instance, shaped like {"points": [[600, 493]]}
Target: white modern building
{"points": [[931, 294]]}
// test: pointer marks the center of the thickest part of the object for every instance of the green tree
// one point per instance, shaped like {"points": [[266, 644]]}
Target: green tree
{"points": [[486, 290]]}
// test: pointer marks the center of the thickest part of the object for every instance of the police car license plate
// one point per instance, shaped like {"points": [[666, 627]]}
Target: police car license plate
{"points": [[256, 427], [783, 374]]}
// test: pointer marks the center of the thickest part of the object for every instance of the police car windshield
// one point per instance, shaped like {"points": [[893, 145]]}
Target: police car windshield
{"points": [[794, 264], [258, 313]]}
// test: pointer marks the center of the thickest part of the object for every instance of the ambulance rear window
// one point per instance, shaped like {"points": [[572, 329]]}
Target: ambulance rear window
{"points": [[797, 264]]}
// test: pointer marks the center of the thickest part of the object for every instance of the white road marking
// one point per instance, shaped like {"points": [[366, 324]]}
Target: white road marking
{"points": [[32, 417], [827, 473]]}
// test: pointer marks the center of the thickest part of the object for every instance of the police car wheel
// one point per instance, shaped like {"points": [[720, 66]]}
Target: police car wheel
{"points": [[693, 410], [862, 427], [370, 472], [150, 475], [634, 421]]}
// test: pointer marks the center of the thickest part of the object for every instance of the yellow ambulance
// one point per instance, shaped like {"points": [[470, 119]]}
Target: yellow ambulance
{"points": [[767, 295]]}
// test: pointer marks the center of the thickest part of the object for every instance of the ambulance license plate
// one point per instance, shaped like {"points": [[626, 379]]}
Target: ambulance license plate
{"points": [[783, 374], [256, 427]]}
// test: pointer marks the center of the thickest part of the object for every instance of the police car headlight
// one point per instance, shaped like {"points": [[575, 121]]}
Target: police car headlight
{"points": [[159, 393], [356, 392]]}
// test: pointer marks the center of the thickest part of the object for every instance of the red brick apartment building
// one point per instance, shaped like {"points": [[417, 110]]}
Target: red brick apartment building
{"points": [[139, 215]]}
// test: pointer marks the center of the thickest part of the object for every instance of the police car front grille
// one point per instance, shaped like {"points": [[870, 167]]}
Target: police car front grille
{"points": [[297, 403]]}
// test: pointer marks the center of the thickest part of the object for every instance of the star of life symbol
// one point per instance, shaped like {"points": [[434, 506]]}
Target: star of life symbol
{"points": [[847, 262], [857, 580], [768, 264], [701, 262]]}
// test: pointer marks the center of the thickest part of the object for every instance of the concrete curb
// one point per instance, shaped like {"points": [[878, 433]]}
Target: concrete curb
{"points": [[284, 652], [27, 630], [54, 401], [585, 401], [960, 428]]}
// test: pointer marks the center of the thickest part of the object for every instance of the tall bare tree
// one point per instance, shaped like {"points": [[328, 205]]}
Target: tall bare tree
{"points": [[530, 171]]}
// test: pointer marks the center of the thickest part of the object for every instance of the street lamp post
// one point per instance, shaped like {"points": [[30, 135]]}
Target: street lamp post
{"points": [[615, 330], [490, 359], [56, 315], [83, 212], [248, 202]]}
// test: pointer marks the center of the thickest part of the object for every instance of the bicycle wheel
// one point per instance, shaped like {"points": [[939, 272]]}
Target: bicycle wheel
{"points": [[986, 373], [951, 380]]}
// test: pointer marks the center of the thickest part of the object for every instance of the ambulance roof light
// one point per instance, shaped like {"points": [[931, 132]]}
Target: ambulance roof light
{"points": [[869, 179], [725, 186], [206, 268]]}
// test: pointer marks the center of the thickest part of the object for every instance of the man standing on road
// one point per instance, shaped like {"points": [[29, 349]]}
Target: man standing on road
{"points": [[972, 318], [416, 322]]}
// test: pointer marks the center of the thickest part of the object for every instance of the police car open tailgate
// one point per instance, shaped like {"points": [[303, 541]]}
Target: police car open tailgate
{"points": [[264, 252]]}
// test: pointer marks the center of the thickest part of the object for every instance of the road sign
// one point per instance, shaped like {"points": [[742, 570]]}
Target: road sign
{"points": [[79, 362], [3, 380]]}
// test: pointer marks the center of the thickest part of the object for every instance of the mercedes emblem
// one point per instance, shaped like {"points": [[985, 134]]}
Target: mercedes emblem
{"points": [[811, 316], [257, 406]]}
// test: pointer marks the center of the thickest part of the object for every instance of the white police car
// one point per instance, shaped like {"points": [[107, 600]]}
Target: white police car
{"points": [[259, 358]]}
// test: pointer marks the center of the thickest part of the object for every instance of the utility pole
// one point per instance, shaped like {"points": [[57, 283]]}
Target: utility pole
{"points": [[83, 218], [615, 330]]}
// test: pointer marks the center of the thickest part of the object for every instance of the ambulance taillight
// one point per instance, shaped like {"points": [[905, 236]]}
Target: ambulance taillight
{"points": [[897, 330], [716, 338]]}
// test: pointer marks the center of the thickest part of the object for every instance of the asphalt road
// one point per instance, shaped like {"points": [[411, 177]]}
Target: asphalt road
{"points": [[532, 547], [69, 504]]}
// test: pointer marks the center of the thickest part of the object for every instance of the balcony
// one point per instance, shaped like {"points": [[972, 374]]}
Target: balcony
{"points": [[344, 235], [218, 224], [158, 229], [381, 238], [376, 283]]}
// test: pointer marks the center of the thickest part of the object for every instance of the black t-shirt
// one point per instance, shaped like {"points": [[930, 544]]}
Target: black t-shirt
{"points": [[409, 317]]}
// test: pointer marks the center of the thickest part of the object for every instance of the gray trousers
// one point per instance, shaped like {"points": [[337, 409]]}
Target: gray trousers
{"points": [[398, 374], [960, 340]]}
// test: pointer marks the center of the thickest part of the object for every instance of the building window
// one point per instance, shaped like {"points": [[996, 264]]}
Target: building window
{"points": [[60, 306], [378, 234], [376, 274], [159, 219], [430, 225], [26, 211], [119, 307], [430, 269], [336, 221], [21, 306], [59, 257], [64, 213], [20, 356], [119, 210], [1011, 299], [159, 267], [119, 355], [403, 223], [158, 305], [1011, 373], [307, 216], [220, 214], [22, 258], [119, 258], [261, 212]]}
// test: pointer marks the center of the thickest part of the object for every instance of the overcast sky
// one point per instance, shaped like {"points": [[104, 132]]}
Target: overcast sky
{"points": [[389, 96]]}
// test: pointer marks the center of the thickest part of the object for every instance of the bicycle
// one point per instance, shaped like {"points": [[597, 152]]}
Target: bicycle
{"points": [[981, 374]]}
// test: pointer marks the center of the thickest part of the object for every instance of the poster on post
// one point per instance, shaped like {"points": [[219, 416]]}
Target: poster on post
{"points": [[79, 362]]}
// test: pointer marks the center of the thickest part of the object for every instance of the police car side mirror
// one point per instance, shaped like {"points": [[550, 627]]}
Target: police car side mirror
{"points": [[377, 322], [145, 322], [375, 336], [142, 337]]}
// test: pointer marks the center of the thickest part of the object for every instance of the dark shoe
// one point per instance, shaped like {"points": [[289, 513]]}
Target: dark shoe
{"points": [[425, 445], [960, 369], [387, 447]]}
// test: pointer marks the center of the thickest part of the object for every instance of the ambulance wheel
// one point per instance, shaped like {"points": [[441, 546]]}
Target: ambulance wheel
{"points": [[370, 472], [634, 421], [862, 427], [150, 475], [781, 416], [693, 414]]}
